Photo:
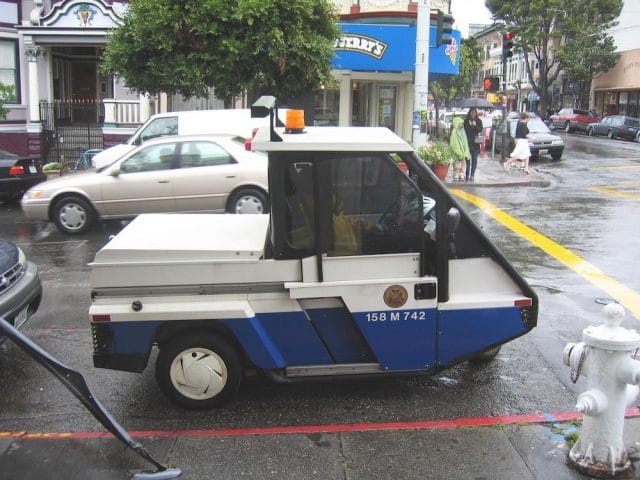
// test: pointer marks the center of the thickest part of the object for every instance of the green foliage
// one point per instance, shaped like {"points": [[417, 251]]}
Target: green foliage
{"points": [[436, 153], [51, 167], [546, 28], [7, 93], [270, 46]]}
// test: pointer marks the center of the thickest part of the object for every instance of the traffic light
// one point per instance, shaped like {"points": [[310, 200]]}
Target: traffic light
{"points": [[491, 84], [444, 29], [507, 45]]}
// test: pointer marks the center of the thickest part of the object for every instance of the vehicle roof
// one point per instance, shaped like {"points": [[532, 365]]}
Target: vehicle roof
{"points": [[184, 138], [332, 139]]}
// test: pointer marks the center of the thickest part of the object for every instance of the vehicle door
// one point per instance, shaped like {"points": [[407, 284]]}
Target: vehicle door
{"points": [[617, 124], [602, 128], [371, 303], [140, 183], [205, 175]]}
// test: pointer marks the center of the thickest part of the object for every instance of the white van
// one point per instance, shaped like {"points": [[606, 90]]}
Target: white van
{"points": [[193, 122]]}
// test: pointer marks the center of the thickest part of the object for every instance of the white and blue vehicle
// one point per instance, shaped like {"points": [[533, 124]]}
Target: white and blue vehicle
{"points": [[361, 268]]}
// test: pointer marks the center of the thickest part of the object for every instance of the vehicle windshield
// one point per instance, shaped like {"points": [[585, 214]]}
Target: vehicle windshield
{"points": [[536, 125]]}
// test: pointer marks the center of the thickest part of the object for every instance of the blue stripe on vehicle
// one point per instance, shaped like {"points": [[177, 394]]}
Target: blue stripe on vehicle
{"points": [[132, 337], [340, 335], [401, 339], [462, 332]]}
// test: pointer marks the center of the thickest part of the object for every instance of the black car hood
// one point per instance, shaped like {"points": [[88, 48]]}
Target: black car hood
{"points": [[8, 255]]}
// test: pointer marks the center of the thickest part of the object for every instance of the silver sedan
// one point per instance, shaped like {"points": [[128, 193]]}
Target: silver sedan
{"points": [[208, 173]]}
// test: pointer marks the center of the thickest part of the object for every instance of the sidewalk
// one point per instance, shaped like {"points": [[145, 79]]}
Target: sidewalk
{"points": [[502, 451], [490, 173]]}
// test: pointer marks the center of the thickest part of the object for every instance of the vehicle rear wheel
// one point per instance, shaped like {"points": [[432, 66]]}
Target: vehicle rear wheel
{"points": [[248, 200], [638, 137], [567, 127], [590, 132], [198, 370], [73, 215], [609, 134], [486, 356]]}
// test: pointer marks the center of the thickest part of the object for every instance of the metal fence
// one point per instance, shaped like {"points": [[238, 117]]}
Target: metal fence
{"points": [[70, 128]]}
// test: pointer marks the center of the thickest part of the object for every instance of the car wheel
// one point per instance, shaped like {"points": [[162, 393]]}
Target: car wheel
{"points": [[73, 215], [248, 200], [556, 156], [638, 137], [485, 356], [198, 370], [567, 127], [590, 132], [609, 134]]}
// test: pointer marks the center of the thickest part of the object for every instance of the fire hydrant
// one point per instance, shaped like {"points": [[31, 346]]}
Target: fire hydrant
{"points": [[604, 357]]}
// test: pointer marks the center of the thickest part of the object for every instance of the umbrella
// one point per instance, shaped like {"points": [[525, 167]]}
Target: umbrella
{"points": [[475, 102]]}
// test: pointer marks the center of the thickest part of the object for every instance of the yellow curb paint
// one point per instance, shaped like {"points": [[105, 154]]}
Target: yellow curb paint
{"points": [[618, 291]]}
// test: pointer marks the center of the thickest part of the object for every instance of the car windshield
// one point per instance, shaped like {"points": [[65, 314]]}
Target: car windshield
{"points": [[536, 125]]}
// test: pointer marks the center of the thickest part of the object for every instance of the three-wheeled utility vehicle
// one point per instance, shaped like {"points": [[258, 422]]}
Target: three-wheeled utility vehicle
{"points": [[361, 268]]}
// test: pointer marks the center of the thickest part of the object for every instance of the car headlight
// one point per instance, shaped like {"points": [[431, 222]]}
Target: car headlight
{"points": [[22, 259]]}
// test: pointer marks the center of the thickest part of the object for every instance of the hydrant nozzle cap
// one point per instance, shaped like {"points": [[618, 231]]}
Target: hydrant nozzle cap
{"points": [[610, 335]]}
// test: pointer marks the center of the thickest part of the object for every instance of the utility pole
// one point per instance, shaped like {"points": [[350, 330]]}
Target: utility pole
{"points": [[421, 82]]}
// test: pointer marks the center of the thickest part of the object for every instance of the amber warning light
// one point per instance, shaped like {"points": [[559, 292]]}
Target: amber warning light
{"points": [[295, 121]]}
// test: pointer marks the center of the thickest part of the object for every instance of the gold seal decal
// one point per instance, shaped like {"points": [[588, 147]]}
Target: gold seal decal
{"points": [[395, 296]]}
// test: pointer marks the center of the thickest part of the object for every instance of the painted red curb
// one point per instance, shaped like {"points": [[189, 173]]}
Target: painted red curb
{"points": [[528, 419]]}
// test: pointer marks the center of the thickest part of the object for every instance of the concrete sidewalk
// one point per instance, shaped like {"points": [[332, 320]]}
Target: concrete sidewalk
{"points": [[512, 451], [489, 172]]}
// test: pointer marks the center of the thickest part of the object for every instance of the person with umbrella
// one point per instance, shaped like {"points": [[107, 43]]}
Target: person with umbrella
{"points": [[475, 137]]}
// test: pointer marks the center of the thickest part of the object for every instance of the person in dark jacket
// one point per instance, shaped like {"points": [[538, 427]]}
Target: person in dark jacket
{"points": [[475, 138]]}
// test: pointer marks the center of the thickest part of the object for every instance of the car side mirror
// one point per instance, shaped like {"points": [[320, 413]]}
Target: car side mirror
{"points": [[115, 172]]}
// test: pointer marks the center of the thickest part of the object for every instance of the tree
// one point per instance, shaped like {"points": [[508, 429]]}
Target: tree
{"points": [[543, 26], [185, 46]]}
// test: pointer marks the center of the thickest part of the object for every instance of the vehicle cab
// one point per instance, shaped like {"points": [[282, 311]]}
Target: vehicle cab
{"points": [[360, 269]]}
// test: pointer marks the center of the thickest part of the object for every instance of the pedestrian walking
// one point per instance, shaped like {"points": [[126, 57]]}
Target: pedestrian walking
{"points": [[475, 139], [521, 151], [460, 147]]}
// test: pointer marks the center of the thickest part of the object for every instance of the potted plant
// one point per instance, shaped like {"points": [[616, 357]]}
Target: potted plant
{"points": [[438, 156]]}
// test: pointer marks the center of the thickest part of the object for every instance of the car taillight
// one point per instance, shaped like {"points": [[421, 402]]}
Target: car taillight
{"points": [[247, 142], [16, 170], [101, 318]]}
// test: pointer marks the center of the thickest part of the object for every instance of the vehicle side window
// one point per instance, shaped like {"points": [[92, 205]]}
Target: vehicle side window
{"points": [[607, 120], [203, 154], [155, 157], [299, 205], [377, 209], [616, 121], [160, 127]]}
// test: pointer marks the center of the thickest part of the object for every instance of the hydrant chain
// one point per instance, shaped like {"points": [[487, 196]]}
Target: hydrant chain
{"points": [[575, 374]]}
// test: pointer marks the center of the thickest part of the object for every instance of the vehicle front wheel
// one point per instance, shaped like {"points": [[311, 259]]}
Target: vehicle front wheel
{"points": [[609, 134], [248, 200], [567, 127], [198, 370], [590, 132], [73, 215]]}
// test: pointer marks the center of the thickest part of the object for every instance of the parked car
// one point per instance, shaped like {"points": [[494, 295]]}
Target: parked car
{"points": [[542, 140], [236, 121], [208, 173], [617, 126], [573, 119], [20, 287], [17, 175]]}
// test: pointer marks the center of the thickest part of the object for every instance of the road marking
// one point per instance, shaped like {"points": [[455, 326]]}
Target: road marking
{"points": [[525, 419], [617, 290], [616, 190], [614, 167]]}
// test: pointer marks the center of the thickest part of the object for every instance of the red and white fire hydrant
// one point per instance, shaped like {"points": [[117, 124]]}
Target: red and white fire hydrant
{"points": [[604, 357]]}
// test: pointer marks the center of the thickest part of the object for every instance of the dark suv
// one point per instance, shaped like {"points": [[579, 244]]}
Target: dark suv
{"points": [[617, 126]]}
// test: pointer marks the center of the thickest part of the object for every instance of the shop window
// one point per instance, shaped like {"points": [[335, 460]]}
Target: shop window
{"points": [[326, 106], [632, 106], [9, 70]]}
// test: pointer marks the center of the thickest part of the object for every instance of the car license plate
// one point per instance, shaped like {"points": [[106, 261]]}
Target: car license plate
{"points": [[542, 152], [21, 318], [33, 169]]}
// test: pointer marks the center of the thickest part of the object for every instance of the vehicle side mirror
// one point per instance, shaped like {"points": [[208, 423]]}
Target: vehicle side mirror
{"points": [[453, 220], [115, 172]]}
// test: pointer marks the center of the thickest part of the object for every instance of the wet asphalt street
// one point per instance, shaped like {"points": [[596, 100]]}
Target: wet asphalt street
{"points": [[590, 207]]}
